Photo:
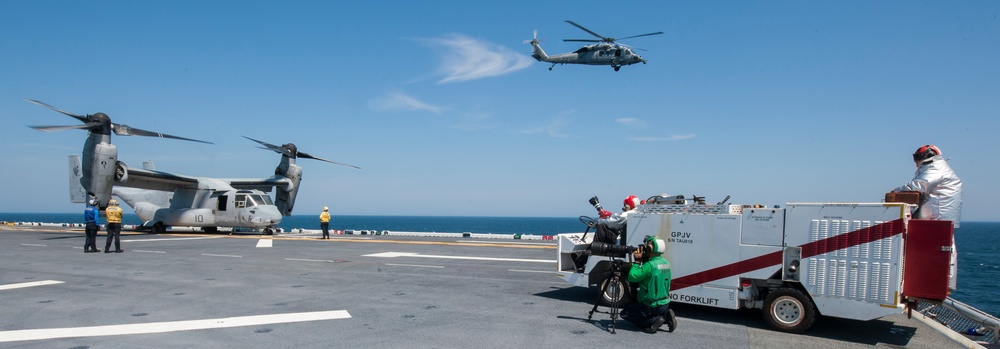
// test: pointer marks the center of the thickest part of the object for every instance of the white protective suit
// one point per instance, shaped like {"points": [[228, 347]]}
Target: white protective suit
{"points": [[941, 189]]}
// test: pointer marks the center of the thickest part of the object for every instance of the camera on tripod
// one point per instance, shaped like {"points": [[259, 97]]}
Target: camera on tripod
{"points": [[620, 251]]}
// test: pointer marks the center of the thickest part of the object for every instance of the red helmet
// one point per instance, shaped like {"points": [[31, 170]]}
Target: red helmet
{"points": [[630, 203], [925, 152]]}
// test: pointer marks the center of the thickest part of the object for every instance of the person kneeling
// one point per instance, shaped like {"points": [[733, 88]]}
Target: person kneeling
{"points": [[652, 308]]}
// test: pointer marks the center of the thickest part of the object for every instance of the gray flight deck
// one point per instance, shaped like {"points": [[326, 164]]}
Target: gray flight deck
{"points": [[220, 291]]}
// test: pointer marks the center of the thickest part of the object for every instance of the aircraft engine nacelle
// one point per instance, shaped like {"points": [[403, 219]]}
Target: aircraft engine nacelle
{"points": [[284, 198], [121, 172], [99, 171]]}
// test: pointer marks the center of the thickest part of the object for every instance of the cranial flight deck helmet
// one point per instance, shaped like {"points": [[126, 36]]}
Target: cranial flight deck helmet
{"points": [[113, 202], [630, 203], [924, 153], [657, 245]]}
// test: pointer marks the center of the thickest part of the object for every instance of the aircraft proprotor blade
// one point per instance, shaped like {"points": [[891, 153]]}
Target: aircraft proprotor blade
{"points": [[62, 128], [125, 130], [78, 117], [307, 156]]}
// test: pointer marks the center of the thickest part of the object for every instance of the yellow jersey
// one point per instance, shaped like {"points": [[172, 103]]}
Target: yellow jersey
{"points": [[114, 214]]}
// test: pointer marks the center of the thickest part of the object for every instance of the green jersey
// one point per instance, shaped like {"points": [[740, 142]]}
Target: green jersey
{"points": [[653, 278]]}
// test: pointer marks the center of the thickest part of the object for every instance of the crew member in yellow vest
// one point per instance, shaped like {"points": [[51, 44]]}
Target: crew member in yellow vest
{"points": [[324, 222], [114, 214]]}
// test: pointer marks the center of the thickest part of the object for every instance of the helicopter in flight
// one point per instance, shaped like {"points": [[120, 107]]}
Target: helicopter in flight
{"points": [[606, 51], [163, 199]]}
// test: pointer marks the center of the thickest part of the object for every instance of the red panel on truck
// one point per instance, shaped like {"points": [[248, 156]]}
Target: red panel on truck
{"points": [[928, 255]]}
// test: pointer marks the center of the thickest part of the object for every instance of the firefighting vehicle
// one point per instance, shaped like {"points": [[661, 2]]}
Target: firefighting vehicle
{"points": [[797, 262]]}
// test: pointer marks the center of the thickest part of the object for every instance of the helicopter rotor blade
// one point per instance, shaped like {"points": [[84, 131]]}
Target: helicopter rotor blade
{"points": [[588, 31], [582, 40], [78, 117], [125, 130], [636, 36]]}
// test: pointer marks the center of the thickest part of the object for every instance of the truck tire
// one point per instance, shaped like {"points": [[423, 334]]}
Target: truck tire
{"points": [[607, 294], [788, 310]]}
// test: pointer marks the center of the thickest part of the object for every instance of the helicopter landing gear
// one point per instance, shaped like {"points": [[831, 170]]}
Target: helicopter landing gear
{"points": [[553, 66], [617, 67]]}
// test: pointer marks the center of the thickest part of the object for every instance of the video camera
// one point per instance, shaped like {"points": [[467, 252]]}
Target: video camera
{"points": [[596, 203]]}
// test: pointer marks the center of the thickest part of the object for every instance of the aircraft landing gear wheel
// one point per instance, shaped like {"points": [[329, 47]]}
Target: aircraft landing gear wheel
{"points": [[788, 310], [159, 228], [268, 231], [210, 230], [616, 68], [550, 68]]}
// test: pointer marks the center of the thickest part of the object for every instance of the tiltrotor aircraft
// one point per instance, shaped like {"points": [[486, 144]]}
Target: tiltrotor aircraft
{"points": [[606, 51], [162, 199]]}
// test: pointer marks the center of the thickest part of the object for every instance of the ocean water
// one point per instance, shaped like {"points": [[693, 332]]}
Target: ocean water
{"points": [[977, 242]]}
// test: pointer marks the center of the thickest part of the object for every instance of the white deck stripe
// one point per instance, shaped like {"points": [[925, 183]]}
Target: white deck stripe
{"points": [[264, 243], [407, 254], [162, 327], [172, 239], [221, 255], [29, 284], [416, 265], [37, 245]]}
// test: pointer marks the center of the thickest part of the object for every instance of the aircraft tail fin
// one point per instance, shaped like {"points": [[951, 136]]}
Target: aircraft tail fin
{"points": [[77, 194], [536, 50]]}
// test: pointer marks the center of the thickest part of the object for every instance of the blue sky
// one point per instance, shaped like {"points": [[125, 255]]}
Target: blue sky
{"points": [[442, 106]]}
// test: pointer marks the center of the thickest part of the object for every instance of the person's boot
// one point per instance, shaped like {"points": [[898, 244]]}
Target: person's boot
{"points": [[672, 323]]}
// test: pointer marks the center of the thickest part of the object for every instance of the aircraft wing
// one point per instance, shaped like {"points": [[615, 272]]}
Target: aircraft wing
{"points": [[156, 180], [262, 184]]}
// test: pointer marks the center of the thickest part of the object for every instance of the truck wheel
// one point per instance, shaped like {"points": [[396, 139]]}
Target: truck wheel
{"points": [[788, 310], [607, 295]]}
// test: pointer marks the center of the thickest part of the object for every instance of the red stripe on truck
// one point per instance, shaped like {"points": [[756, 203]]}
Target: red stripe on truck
{"points": [[830, 244]]}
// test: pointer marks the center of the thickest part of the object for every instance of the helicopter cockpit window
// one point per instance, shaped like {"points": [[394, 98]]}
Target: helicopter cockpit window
{"points": [[582, 49], [241, 201]]}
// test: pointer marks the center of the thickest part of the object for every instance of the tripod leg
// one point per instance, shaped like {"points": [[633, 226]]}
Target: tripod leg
{"points": [[615, 296], [600, 295]]}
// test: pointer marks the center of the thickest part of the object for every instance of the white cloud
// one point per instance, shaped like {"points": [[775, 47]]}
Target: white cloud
{"points": [[631, 122], [395, 101], [467, 59], [661, 139], [552, 129]]}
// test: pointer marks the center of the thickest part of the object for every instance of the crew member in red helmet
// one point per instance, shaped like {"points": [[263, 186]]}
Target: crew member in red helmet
{"points": [[610, 226]]}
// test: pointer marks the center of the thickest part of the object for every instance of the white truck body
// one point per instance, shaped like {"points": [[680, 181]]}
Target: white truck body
{"points": [[846, 259]]}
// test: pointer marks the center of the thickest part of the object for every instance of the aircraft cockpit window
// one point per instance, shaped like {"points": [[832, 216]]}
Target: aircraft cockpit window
{"points": [[266, 200], [241, 201], [259, 200]]}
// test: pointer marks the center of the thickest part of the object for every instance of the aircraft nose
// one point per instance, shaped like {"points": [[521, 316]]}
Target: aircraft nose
{"points": [[271, 214]]}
